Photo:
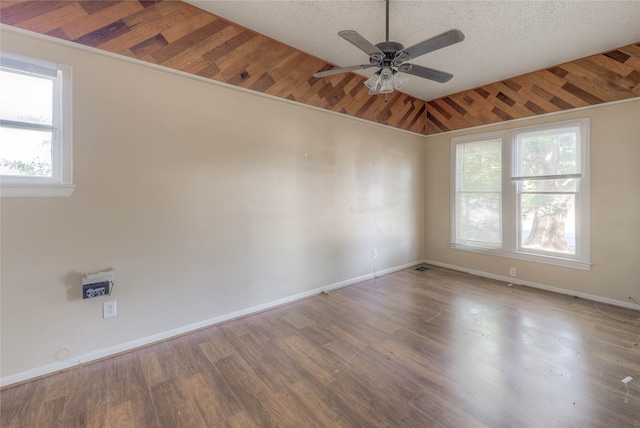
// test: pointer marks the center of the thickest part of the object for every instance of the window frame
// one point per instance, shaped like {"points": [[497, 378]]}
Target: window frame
{"points": [[510, 216], [60, 184]]}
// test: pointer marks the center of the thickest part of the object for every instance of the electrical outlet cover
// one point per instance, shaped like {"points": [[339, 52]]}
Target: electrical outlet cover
{"points": [[110, 309]]}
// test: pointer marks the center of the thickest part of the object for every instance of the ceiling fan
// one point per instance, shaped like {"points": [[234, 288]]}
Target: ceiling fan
{"points": [[391, 59]]}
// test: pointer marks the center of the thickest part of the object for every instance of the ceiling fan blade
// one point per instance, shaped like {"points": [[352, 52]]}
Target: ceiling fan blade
{"points": [[360, 42], [425, 72], [438, 42], [342, 70]]}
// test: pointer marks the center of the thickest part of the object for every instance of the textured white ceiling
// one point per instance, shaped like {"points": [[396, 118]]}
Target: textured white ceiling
{"points": [[503, 38]]}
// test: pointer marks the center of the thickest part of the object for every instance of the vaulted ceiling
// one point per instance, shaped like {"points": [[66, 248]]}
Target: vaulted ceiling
{"points": [[181, 36], [503, 38]]}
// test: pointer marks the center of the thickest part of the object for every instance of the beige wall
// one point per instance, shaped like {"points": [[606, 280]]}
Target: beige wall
{"points": [[615, 209], [206, 200]]}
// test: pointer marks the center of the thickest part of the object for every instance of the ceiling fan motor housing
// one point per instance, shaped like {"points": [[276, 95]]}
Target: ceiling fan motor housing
{"points": [[390, 47], [393, 55]]}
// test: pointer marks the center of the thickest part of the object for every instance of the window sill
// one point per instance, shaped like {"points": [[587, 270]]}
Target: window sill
{"points": [[36, 191], [557, 261]]}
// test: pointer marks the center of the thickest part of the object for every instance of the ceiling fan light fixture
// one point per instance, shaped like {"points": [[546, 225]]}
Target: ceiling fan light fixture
{"points": [[373, 82], [386, 87], [399, 81], [386, 81]]}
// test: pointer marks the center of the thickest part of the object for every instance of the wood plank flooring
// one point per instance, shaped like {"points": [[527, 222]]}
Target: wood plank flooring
{"points": [[412, 349]]}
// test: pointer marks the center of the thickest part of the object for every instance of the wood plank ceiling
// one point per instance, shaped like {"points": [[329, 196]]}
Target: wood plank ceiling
{"points": [[178, 35], [606, 77]]}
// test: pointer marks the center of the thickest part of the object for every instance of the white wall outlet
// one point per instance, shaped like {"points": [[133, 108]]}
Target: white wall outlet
{"points": [[512, 272], [374, 253], [110, 309]]}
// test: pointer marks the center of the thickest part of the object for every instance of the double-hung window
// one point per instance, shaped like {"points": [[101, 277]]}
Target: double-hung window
{"points": [[479, 192], [35, 128], [524, 193]]}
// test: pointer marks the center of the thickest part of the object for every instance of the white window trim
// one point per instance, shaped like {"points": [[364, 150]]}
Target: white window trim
{"points": [[509, 247], [61, 183]]}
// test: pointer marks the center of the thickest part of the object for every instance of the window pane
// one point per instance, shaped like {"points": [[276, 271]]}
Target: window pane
{"points": [[26, 98], [480, 165], [479, 217], [555, 186], [483, 179], [548, 152], [548, 223], [25, 152]]}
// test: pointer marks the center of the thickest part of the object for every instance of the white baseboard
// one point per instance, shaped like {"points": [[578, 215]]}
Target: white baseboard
{"points": [[397, 268], [144, 341], [535, 285]]}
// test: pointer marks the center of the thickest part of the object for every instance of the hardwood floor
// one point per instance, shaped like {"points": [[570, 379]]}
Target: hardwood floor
{"points": [[412, 349]]}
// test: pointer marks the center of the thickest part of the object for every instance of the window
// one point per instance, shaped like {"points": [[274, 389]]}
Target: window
{"points": [[35, 128], [479, 195], [524, 193]]}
